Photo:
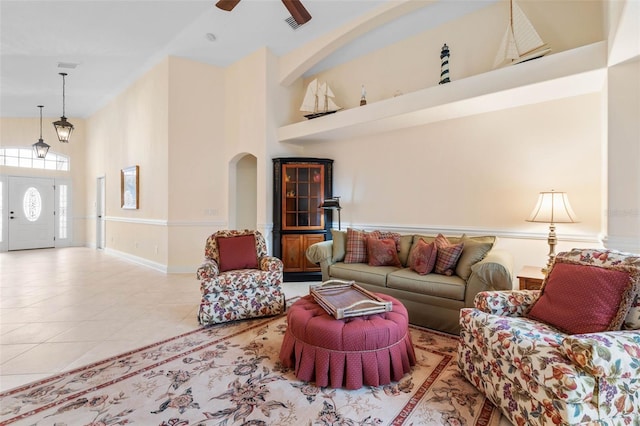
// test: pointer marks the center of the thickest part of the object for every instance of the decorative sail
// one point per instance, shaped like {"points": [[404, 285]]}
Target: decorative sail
{"points": [[318, 100], [521, 41]]}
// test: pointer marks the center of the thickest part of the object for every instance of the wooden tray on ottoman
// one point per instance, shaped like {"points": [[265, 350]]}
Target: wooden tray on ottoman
{"points": [[344, 299]]}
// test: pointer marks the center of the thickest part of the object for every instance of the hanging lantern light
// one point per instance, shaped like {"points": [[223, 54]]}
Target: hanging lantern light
{"points": [[63, 127], [40, 147]]}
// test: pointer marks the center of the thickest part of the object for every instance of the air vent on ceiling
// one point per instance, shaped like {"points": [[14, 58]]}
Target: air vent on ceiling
{"points": [[292, 23], [68, 65]]}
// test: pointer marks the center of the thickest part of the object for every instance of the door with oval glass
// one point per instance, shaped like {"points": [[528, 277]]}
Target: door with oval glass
{"points": [[31, 213]]}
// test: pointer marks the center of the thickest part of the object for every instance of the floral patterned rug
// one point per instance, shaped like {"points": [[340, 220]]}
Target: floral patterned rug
{"points": [[230, 375]]}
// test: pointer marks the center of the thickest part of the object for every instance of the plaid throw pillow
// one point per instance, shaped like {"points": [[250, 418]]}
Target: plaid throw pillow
{"points": [[356, 246], [448, 255]]}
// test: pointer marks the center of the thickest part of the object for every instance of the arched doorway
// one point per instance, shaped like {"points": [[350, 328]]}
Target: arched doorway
{"points": [[243, 192]]}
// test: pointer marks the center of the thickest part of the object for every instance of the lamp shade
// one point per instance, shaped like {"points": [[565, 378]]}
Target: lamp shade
{"points": [[331, 203], [41, 148], [552, 207], [63, 129], [62, 126]]}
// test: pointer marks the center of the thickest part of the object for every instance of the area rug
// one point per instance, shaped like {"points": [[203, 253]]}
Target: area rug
{"points": [[230, 375]]}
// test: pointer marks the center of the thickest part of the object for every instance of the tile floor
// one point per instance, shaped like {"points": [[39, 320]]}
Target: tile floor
{"points": [[64, 308]]}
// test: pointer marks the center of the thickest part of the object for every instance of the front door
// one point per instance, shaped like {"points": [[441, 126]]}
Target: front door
{"points": [[31, 213]]}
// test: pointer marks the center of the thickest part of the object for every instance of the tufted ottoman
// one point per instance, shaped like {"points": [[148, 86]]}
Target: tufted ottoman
{"points": [[368, 350]]}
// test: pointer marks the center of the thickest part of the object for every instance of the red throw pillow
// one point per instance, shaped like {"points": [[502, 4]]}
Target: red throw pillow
{"points": [[382, 252], [422, 258], [581, 299], [237, 252]]}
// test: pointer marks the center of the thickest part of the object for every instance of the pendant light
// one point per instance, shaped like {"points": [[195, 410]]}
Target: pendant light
{"points": [[63, 127], [40, 147]]}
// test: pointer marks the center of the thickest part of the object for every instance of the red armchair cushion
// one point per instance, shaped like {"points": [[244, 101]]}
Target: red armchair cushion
{"points": [[237, 252], [581, 299]]}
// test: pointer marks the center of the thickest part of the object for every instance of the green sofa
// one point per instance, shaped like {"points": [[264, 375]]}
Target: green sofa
{"points": [[433, 300]]}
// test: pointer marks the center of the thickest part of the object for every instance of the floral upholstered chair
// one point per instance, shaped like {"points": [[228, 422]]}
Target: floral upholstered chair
{"points": [[566, 354], [238, 279]]}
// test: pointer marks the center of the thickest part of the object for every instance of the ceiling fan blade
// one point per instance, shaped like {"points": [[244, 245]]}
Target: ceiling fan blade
{"points": [[227, 5], [297, 11]]}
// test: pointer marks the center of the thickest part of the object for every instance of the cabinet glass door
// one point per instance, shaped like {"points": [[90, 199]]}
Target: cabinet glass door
{"points": [[302, 195]]}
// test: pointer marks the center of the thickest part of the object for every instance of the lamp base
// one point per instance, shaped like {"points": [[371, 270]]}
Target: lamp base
{"points": [[552, 240]]}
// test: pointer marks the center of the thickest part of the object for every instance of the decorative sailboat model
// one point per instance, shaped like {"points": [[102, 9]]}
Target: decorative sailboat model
{"points": [[318, 100], [521, 41]]}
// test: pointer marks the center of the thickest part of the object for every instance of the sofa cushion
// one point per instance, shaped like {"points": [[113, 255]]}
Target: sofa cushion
{"points": [[361, 273], [450, 287], [406, 242], [473, 251], [422, 258], [237, 252], [448, 255], [339, 246], [382, 252], [578, 298]]}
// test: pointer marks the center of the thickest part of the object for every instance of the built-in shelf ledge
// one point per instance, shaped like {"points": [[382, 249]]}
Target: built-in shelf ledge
{"points": [[570, 73]]}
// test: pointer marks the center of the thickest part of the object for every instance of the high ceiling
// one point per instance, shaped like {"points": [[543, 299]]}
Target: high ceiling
{"points": [[112, 43]]}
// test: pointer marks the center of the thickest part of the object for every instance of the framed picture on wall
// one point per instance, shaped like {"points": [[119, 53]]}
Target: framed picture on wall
{"points": [[129, 187]]}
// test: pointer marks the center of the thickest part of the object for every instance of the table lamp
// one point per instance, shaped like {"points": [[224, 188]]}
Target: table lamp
{"points": [[552, 207]]}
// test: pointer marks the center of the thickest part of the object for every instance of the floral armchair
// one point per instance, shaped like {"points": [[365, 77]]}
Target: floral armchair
{"points": [[238, 279], [543, 374]]}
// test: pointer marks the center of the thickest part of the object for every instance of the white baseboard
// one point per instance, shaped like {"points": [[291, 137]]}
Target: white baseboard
{"points": [[138, 260]]}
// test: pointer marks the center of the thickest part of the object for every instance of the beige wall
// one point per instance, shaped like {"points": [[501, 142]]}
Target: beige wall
{"points": [[477, 174], [133, 130], [170, 123], [196, 164]]}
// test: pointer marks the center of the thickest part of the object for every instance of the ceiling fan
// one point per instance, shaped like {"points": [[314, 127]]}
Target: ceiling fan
{"points": [[295, 8]]}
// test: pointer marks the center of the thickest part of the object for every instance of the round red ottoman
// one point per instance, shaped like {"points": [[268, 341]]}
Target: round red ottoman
{"points": [[370, 350]]}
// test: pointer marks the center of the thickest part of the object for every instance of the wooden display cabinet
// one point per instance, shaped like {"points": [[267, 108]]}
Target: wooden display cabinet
{"points": [[293, 248], [300, 186]]}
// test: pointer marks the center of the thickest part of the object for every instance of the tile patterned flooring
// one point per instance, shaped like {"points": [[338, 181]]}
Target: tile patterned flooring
{"points": [[67, 307]]}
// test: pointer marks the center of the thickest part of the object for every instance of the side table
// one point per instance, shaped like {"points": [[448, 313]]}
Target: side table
{"points": [[530, 278]]}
